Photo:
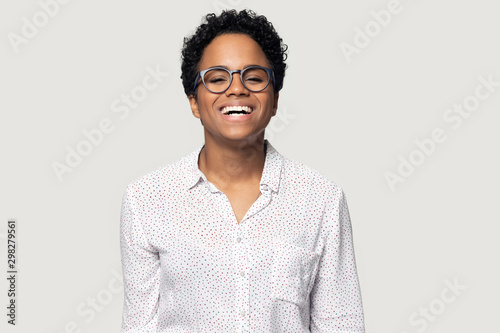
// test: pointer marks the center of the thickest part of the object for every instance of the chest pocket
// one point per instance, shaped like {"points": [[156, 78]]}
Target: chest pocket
{"points": [[293, 270]]}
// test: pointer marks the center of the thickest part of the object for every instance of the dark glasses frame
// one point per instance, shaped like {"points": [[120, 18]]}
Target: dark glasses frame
{"points": [[201, 74]]}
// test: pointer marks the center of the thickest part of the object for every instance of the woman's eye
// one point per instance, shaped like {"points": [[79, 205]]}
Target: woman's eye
{"points": [[254, 79], [217, 80]]}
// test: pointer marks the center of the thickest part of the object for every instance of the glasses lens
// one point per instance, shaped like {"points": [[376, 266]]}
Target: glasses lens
{"points": [[255, 79], [217, 80]]}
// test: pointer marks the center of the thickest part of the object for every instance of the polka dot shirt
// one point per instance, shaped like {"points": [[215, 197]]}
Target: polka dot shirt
{"points": [[189, 266]]}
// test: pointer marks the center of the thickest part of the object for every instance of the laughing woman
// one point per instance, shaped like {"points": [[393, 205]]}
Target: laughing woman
{"points": [[235, 237]]}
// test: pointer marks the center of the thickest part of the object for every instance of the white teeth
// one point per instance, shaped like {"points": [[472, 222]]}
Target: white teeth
{"points": [[227, 109], [237, 114]]}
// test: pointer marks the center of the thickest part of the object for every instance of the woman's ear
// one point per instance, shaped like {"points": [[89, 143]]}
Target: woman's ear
{"points": [[194, 106]]}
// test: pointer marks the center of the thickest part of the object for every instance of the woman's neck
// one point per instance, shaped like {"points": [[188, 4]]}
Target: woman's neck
{"points": [[234, 164]]}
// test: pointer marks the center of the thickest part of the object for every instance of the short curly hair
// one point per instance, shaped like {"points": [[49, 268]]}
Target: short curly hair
{"points": [[230, 21]]}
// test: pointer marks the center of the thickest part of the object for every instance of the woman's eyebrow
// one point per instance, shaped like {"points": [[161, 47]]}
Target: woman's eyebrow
{"points": [[246, 66], [252, 65]]}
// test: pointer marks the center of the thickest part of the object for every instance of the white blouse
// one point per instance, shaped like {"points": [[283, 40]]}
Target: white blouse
{"points": [[189, 266]]}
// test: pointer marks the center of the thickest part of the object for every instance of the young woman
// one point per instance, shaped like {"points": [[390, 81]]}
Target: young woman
{"points": [[235, 237]]}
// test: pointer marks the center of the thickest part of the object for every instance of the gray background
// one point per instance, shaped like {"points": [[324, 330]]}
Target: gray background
{"points": [[351, 118]]}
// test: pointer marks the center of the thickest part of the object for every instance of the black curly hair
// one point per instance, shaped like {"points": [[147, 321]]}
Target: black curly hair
{"points": [[230, 21]]}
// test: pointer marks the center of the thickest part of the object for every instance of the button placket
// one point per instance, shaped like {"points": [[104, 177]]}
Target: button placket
{"points": [[242, 282]]}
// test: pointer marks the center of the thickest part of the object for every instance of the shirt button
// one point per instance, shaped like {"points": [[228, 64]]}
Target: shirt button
{"points": [[238, 239], [264, 187], [242, 274], [243, 313]]}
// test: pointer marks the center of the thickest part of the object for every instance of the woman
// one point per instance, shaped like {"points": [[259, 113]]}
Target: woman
{"points": [[234, 237]]}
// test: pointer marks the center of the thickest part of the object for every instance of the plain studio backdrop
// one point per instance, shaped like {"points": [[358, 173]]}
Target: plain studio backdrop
{"points": [[396, 101]]}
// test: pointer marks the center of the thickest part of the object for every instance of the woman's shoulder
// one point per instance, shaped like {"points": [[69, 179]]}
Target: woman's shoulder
{"points": [[298, 173], [169, 177]]}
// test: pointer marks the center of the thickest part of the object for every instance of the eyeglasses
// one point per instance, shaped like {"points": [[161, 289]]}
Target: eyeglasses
{"points": [[219, 79]]}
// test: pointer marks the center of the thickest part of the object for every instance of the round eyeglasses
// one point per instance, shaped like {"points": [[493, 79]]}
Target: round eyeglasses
{"points": [[219, 79]]}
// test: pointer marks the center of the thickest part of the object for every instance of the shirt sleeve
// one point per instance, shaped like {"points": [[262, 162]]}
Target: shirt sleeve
{"points": [[336, 304], [141, 271]]}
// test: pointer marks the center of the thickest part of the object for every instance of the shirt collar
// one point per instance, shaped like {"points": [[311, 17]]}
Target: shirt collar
{"points": [[271, 174]]}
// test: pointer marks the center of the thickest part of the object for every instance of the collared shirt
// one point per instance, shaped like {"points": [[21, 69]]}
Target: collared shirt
{"points": [[189, 266]]}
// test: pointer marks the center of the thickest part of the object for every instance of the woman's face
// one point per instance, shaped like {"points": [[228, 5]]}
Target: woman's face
{"points": [[234, 51]]}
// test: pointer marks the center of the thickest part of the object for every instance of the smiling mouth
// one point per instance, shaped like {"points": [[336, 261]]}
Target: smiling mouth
{"points": [[236, 110]]}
